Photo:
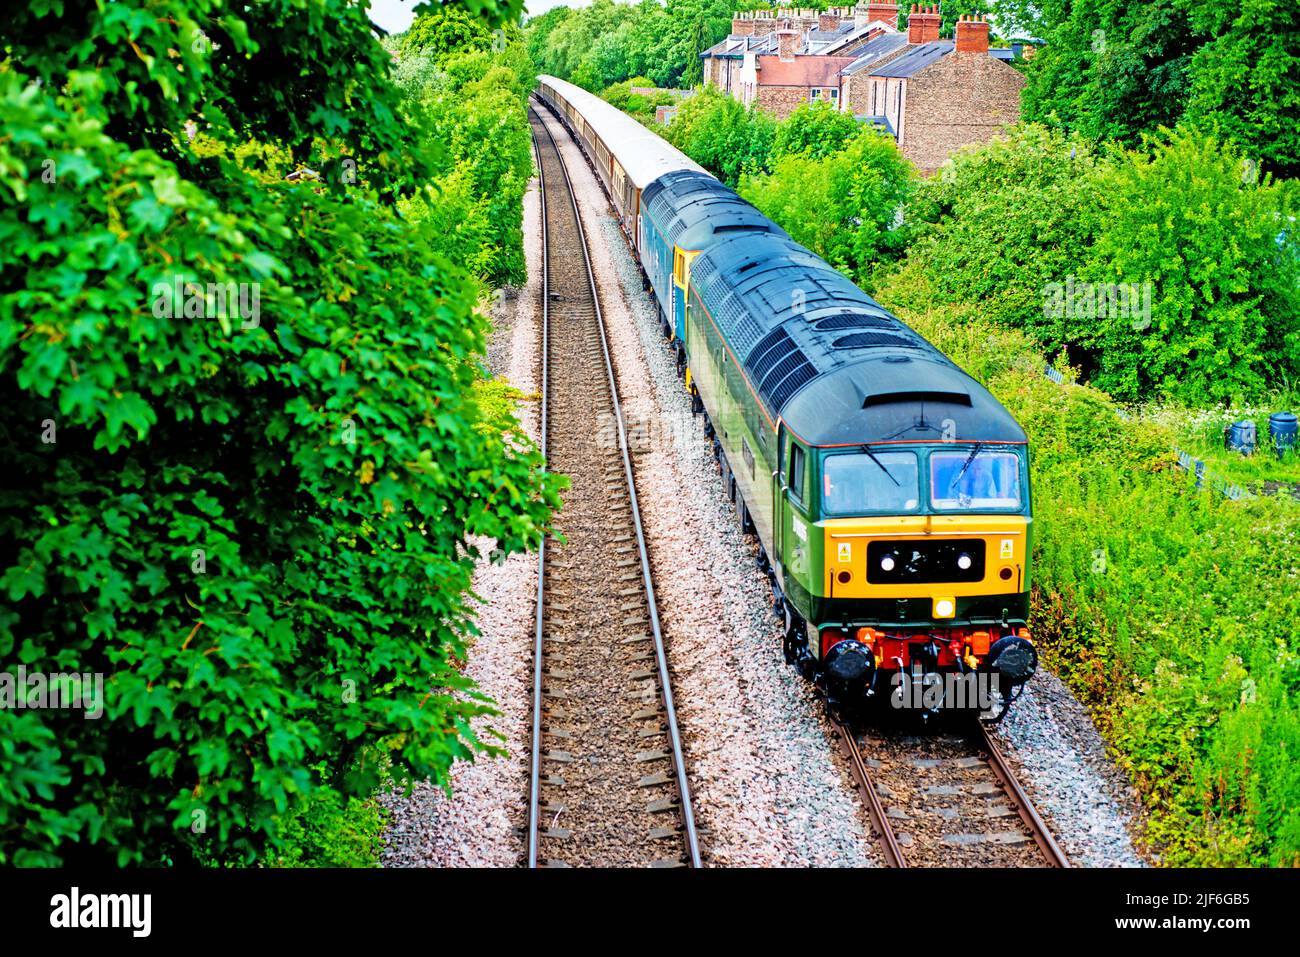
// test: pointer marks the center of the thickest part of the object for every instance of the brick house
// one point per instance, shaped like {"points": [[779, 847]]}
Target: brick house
{"points": [[937, 95], [933, 95], [777, 64], [780, 82]]}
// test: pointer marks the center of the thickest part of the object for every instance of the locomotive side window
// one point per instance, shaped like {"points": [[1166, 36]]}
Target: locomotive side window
{"points": [[796, 471]]}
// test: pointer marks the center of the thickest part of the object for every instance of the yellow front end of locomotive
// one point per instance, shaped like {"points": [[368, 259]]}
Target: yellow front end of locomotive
{"points": [[942, 557]]}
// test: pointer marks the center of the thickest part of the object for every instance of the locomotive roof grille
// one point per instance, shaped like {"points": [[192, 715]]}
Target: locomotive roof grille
{"points": [[788, 363], [792, 383], [849, 320], [774, 347], [861, 340]]}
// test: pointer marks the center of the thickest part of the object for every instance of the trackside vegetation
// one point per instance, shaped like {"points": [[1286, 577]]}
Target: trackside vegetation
{"points": [[604, 43], [246, 424]]}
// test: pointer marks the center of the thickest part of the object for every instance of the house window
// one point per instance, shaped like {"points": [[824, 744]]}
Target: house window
{"points": [[813, 94], [835, 94]]}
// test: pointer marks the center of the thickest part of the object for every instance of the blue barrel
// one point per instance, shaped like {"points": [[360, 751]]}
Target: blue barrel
{"points": [[1282, 427], [1240, 437]]}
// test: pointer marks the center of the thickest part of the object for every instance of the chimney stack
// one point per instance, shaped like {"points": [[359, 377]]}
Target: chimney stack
{"points": [[763, 23], [887, 12], [787, 38], [923, 24], [972, 35], [742, 25], [828, 22]]}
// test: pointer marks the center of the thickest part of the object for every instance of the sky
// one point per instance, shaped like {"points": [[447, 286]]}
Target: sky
{"points": [[395, 15]]}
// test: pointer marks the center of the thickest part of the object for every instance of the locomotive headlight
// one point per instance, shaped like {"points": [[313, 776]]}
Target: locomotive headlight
{"points": [[945, 607], [887, 563], [963, 561]]}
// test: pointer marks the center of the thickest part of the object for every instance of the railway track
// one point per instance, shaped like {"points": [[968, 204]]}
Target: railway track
{"points": [[607, 780], [946, 800]]}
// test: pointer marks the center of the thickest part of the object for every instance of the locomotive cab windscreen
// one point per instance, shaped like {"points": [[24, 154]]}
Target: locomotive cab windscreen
{"points": [[922, 480]]}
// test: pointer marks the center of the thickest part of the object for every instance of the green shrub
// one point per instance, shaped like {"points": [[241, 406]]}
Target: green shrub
{"points": [[1189, 215], [330, 829], [466, 100], [724, 137], [844, 206], [816, 129], [1002, 221], [1184, 229], [259, 532], [1122, 69]]}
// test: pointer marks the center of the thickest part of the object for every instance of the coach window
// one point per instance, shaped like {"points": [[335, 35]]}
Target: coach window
{"points": [[796, 471]]}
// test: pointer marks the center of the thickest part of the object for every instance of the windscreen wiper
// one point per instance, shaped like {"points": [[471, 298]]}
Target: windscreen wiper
{"points": [[872, 455], [965, 465]]}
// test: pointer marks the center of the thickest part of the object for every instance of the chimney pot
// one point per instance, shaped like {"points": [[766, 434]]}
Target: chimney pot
{"points": [[972, 36], [787, 38], [923, 25]]}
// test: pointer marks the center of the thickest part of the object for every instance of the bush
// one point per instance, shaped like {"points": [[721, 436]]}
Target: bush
{"points": [[816, 129], [722, 136], [1190, 216], [1003, 221], [467, 100], [256, 527], [844, 206], [330, 829], [1183, 228]]}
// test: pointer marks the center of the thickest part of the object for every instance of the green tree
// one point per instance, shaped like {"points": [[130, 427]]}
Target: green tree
{"points": [[1002, 222], [1121, 68], [467, 98], [1190, 215], [606, 42], [844, 206], [722, 135], [257, 524], [1114, 68], [818, 129], [1019, 223], [1244, 84]]}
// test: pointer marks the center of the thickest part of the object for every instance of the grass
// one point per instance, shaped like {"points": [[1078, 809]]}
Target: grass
{"points": [[1200, 433]]}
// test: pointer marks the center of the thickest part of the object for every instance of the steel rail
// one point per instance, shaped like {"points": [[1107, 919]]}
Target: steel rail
{"points": [[1023, 806], [535, 773], [875, 810], [670, 711]]}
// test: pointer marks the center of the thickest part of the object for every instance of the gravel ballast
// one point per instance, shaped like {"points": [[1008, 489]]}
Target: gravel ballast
{"points": [[477, 825], [1061, 761]]}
